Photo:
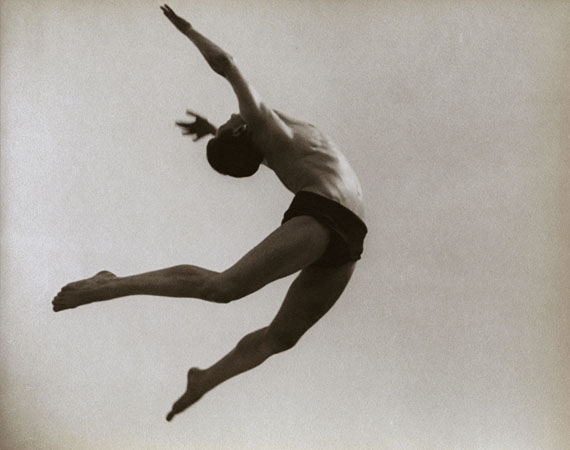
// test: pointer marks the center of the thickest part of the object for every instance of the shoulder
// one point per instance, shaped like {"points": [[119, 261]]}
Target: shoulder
{"points": [[268, 124]]}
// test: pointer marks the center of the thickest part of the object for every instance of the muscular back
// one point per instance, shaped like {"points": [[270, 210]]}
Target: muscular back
{"points": [[304, 159]]}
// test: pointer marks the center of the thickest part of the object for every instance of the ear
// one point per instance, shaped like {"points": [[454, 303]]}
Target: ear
{"points": [[239, 131]]}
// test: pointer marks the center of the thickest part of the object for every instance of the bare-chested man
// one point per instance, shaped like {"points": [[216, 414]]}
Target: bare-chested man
{"points": [[321, 234]]}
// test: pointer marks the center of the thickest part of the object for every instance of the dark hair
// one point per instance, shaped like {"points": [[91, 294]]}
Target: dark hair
{"points": [[233, 155]]}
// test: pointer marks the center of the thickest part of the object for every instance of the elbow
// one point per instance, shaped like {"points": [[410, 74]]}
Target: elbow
{"points": [[222, 64], [226, 64]]}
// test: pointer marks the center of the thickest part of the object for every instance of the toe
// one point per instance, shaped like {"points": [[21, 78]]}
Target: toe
{"points": [[59, 304]]}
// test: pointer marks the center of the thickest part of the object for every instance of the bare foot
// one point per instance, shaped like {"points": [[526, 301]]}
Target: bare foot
{"points": [[82, 292], [194, 391]]}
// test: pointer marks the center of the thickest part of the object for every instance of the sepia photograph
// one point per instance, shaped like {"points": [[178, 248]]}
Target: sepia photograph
{"points": [[302, 225]]}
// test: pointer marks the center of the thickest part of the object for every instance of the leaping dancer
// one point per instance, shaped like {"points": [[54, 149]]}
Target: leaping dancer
{"points": [[321, 234]]}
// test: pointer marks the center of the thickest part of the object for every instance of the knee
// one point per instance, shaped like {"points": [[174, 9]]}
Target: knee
{"points": [[222, 290], [280, 341]]}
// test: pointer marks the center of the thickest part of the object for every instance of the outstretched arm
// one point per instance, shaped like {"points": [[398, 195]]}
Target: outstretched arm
{"points": [[223, 64]]}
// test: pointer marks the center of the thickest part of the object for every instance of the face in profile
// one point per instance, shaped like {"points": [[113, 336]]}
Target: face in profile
{"points": [[235, 125]]}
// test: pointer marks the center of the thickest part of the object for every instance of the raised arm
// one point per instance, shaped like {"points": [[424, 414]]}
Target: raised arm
{"points": [[221, 62]]}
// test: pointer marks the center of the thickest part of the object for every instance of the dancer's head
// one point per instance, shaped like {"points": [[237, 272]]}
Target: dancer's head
{"points": [[231, 151]]}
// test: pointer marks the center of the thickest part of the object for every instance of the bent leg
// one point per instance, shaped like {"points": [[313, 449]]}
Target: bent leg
{"points": [[310, 296], [291, 247]]}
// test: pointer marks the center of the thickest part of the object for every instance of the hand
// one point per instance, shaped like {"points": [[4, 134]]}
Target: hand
{"points": [[176, 20], [200, 127]]}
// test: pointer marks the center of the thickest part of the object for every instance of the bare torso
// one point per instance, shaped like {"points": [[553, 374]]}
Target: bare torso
{"points": [[304, 159]]}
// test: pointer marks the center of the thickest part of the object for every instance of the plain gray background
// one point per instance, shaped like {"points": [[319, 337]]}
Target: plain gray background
{"points": [[453, 333]]}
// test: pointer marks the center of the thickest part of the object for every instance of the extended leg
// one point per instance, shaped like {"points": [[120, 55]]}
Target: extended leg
{"points": [[178, 281], [311, 295], [291, 247]]}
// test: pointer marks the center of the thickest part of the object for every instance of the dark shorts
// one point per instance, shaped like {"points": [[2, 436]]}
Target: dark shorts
{"points": [[347, 229]]}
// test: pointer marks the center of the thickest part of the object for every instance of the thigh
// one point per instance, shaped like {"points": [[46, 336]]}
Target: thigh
{"points": [[293, 246], [311, 295]]}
